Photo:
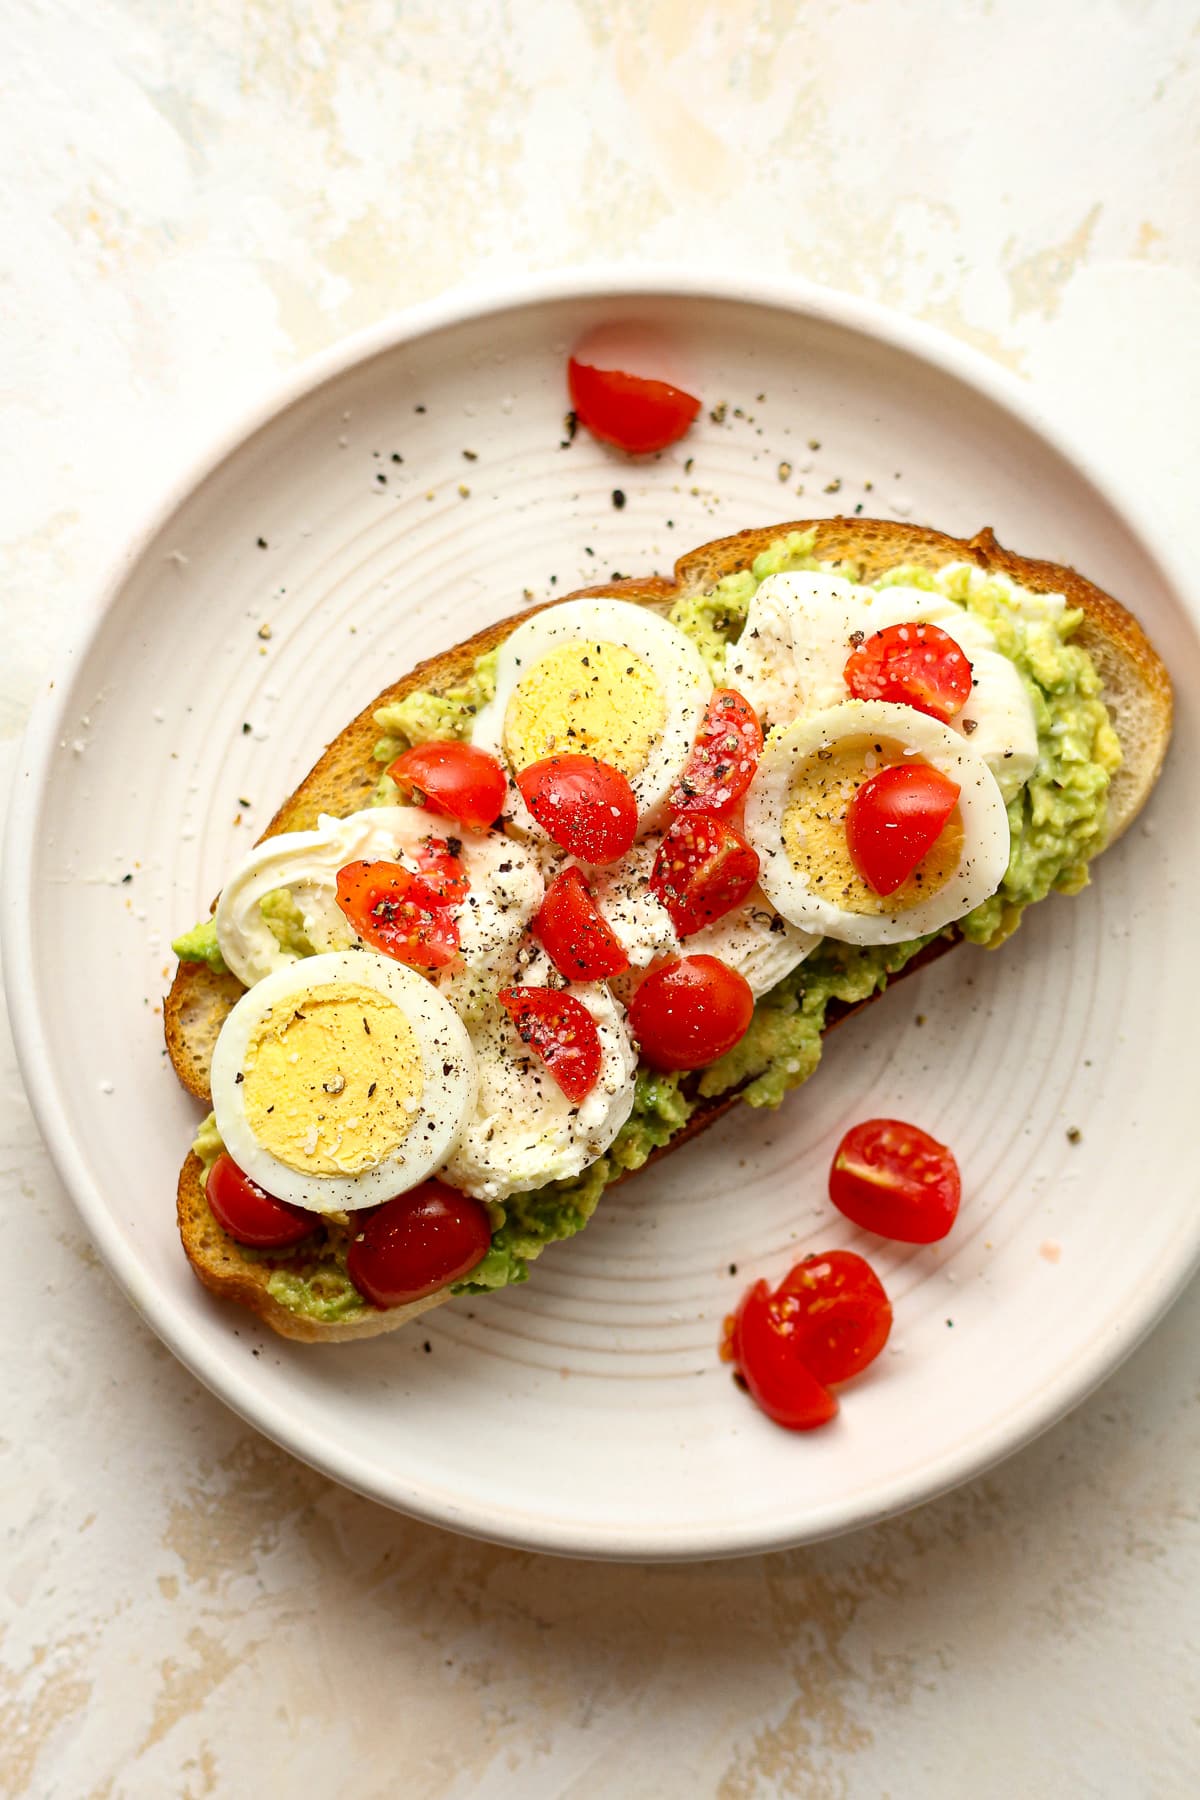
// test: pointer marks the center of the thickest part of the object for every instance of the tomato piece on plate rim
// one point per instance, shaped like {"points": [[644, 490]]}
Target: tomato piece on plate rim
{"points": [[634, 412], [896, 1180]]}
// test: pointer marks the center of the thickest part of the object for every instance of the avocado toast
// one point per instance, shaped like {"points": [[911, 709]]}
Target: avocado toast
{"points": [[1101, 701]]}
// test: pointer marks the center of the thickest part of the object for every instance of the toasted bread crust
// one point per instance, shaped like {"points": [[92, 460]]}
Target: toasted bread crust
{"points": [[1136, 687]]}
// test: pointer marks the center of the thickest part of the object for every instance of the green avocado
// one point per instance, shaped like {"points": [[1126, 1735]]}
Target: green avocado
{"points": [[1057, 823], [200, 945]]}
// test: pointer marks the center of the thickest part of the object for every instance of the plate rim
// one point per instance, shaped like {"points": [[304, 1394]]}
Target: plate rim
{"points": [[472, 303]]}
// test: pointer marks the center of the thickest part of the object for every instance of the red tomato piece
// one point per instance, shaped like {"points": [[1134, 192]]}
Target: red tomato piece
{"points": [[574, 933], [560, 1030], [418, 1243], [455, 779], [585, 805], [760, 1343], [894, 819], [439, 860], [689, 1011], [249, 1214], [704, 868], [914, 665], [837, 1313], [896, 1180], [631, 411], [392, 910], [723, 759]]}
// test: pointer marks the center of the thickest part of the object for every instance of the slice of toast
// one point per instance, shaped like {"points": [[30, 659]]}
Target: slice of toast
{"points": [[1136, 690]]}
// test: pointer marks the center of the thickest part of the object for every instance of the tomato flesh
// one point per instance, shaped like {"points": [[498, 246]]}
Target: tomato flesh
{"points": [[837, 1313], [394, 912], [914, 665], [442, 872], [894, 819], [777, 1380], [249, 1214], [454, 779], [689, 1011], [723, 759], [634, 412], [561, 1031], [896, 1180], [703, 869], [585, 805], [825, 1322], [418, 1243], [574, 933]]}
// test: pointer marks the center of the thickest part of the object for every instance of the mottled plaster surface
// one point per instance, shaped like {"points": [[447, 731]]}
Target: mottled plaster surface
{"points": [[195, 196]]}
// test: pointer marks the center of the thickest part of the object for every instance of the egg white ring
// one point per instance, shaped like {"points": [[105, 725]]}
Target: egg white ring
{"points": [[981, 806], [678, 666], [447, 1066], [306, 863]]}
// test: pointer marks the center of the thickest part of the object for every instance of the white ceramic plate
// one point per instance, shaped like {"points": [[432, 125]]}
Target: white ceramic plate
{"points": [[587, 1411]]}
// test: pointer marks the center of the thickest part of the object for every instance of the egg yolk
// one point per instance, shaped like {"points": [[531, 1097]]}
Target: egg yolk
{"points": [[332, 1081], [597, 698], [814, 829]]}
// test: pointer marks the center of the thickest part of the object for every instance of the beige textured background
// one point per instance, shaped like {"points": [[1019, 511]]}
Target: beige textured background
{"points": [[196, 195]]}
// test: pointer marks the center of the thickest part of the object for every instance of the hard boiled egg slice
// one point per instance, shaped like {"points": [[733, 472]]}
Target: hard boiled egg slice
{"points": [[801, 628], [604, 678], [522, 1130], [506, 886], [341, 1081], [796, 820]]}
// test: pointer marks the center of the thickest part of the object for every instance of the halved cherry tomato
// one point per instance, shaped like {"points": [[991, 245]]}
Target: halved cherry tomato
{"points": [[585, 805], [561, 1031], [896, 1180], [631, 411], [392, 910], [689, 1011], [723, 759], [894, 819], [574, 932], [704, 868], [837, 1312], [455, 779], [439, 860], [759, 1341], [249, 1214], [914, 665], [417, 1243]]}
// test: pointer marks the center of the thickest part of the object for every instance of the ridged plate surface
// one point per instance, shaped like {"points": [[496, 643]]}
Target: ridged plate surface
{"points": [[587, 1411]]}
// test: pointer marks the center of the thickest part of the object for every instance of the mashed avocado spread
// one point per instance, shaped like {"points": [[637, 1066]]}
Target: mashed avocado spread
{"points": [[1057, 823]]}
